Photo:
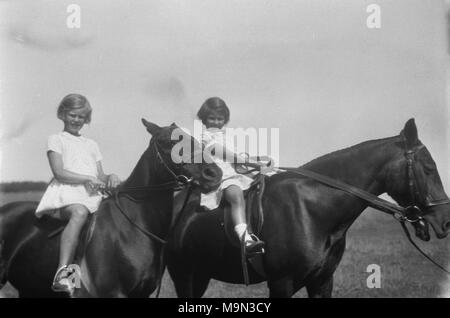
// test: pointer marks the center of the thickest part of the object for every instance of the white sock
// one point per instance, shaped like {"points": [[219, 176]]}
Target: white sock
{"points": [[241, 229]]}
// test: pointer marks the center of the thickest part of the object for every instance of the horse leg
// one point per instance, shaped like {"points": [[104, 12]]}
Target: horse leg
{"points": [[321, 288], [188, 284], [183, 282], [322, 285], [26, 293], [199, 285], [281, 288]]}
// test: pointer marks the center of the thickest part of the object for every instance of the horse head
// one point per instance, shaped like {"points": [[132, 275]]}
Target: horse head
{"points": [[183, 156], [412, 179]]}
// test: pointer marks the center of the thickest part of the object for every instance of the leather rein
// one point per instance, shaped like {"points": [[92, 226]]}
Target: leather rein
{"points": [[178, 182], [412, 213]]}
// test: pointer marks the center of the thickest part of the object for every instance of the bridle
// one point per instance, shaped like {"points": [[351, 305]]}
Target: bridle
{"points": [[412, 213], [178, 182], [180, 179]]}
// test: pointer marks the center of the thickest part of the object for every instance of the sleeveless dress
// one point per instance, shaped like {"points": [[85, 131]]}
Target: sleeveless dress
{"points": [[211, 200], [79, 155]]}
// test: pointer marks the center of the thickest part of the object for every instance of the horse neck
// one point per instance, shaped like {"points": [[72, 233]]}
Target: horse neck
{"points": [[145, 173], [362, 166], [148, 173]]}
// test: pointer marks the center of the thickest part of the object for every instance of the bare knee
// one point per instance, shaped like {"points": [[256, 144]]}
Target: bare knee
{"points": [[78, 213], [234, 196]]}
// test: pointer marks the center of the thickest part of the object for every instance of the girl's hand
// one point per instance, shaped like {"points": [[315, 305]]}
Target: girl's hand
{"points": [[94, 185], [261, 164], [256, 164], [113, 181], [264, 167]]}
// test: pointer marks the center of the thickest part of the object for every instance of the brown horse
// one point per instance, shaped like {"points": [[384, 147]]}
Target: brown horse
{"points": [[305, 221], [117, 258]]}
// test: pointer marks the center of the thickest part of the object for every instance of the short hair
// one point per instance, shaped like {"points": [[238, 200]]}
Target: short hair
{"points": [[214, 104], [74, 101]]}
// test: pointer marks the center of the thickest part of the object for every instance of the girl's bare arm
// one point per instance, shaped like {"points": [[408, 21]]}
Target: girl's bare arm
{"points": [[111, 180], [65, 176]]}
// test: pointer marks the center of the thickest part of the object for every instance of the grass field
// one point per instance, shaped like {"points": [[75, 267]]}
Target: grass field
{"points": [[374, 238]]}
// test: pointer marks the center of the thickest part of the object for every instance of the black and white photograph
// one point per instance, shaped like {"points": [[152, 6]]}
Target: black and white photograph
{"points": [[224, 149]]}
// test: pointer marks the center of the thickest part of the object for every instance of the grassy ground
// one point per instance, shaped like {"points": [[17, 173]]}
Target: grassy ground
{"points": [[375, 238]]}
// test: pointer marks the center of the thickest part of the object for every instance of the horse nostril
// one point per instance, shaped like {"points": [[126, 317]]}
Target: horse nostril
{"points": [[209, 173], [447, 227]]}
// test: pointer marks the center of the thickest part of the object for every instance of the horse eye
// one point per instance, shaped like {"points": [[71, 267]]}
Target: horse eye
{"points": [[428, 169]]}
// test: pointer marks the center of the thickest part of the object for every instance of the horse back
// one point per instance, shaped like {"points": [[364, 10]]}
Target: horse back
{"points": [[15, 216]]}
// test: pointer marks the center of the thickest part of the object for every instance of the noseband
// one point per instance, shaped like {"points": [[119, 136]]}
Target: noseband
{"points": [[413, 213], [180, 179]]}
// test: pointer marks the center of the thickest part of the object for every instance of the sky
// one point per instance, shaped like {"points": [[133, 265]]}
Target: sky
{"points": [[313, 69]]}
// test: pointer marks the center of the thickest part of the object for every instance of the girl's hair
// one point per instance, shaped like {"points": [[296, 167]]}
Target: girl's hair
{"points": [[216, 105], [74, 101]]}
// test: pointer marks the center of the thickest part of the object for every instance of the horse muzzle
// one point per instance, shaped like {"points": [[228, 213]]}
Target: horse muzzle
{"points": [[210, 178], [439, 221]]}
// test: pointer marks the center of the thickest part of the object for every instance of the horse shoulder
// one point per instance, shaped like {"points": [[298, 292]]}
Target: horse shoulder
{"points": [[293, 188]]}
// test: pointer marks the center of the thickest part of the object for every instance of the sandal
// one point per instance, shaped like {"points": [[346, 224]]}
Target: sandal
{"points": [[62, 282], [256, 246]]}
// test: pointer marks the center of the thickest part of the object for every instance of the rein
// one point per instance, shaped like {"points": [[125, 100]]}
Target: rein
{"points": [[175, 185], [179, 182], [398, 212], [411, 214]]}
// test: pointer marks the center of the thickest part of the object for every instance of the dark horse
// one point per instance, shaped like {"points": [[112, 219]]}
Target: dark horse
{"points": [[117, 259], [305, 222]]}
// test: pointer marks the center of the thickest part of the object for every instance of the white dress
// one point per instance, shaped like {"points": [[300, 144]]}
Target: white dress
{"points": [[211, 200], [79, 155]]}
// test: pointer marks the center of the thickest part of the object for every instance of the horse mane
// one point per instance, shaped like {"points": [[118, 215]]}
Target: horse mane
{"points": [[338, 154], [136, 177]]}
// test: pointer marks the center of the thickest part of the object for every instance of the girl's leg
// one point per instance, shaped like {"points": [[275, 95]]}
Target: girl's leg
{"points": [[77, 215], [235, 197]]}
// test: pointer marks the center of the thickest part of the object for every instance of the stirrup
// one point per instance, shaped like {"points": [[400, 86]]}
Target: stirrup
{"points": [[255, 247]]}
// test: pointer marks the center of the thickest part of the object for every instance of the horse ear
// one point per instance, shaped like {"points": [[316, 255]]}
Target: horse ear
{"points": [[410, 133], [151, 127]]}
